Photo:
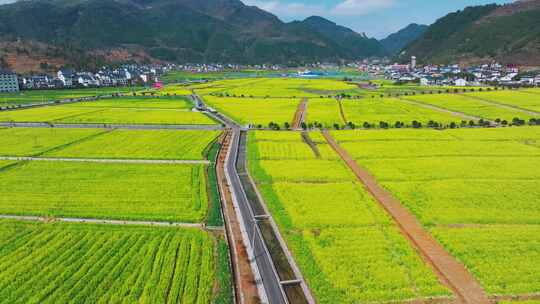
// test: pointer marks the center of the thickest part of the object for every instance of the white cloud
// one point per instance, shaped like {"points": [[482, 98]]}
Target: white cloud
{"points": [[361, 7], [289, 10]]}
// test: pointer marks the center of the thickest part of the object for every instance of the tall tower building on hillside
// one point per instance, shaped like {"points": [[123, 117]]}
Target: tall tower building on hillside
{"points": [[413, 62]]}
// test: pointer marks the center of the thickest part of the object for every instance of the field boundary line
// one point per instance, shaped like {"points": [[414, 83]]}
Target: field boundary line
{"points": [[520, 297], [101, 221], [450, 271], [502, 105], [109, 126], [441, 109], [342, 111], [300, 114], [105, 160]]}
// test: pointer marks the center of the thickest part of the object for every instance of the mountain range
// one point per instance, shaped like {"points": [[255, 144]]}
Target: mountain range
{"points": [[506, 33], [41, 35]]}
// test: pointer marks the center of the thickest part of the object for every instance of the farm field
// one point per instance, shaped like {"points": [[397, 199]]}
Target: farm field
{"points": [[346, 246], [36, 141], [39, 96], [255, 111], [282, 87], [137, 103], [275, 145], [471, 106], [141, 144], [324, 111], [518, 99], [111, 144], [106, 115], [476, 190], [391, 110], [60, 263], [153, 192]]}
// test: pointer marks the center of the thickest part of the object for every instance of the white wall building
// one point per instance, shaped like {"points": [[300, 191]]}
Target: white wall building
{"points": [[461, 82]]}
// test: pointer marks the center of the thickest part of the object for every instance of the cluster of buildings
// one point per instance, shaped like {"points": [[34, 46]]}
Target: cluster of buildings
{"points": [[8, 81], [492, 74], [127, 75]]}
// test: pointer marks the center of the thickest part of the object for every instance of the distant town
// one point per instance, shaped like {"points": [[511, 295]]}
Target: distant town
{"points": [[151, 75]]}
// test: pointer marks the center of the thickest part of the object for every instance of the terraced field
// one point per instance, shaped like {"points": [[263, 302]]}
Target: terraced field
{"points": [[346, 246], [151, 192], [255, 111], [60, 263], [477, 191], [471, 106]]}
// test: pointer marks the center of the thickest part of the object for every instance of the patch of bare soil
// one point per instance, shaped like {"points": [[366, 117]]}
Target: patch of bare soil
{"points": [[299, 115]]}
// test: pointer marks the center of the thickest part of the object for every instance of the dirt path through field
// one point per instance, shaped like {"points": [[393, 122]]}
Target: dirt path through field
{"points": [[299, 115], [439, 109], [245, 287], [450, 271], [307, 139], [342, 111]]}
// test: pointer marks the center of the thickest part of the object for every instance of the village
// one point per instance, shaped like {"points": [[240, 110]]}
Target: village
{"points": [[148, 75]]}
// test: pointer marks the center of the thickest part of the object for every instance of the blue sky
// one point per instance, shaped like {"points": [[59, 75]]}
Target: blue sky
{"points": [[377, 18]]}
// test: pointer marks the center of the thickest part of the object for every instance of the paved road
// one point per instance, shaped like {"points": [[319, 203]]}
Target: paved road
{"points": [[109, 126], [100, 221], [264, 267], [94, 160]]}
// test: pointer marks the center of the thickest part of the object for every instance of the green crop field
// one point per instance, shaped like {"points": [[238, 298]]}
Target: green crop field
{"points": [[324, 111], [39, 96], [504, 257], [141, 144], [346, 246], [102, 190], [137, 103], [518, 99], [255, 111], [392, 110], [477, 190], [287, 146], [83, 263], [107, 115], [281, 87], [35, 141], [471, 106]]}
